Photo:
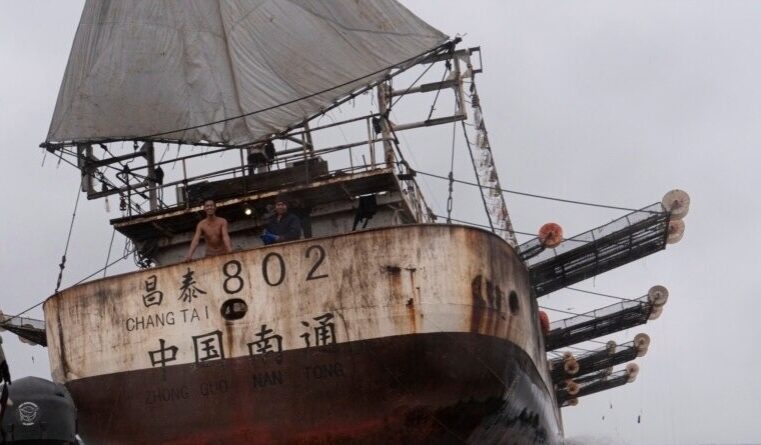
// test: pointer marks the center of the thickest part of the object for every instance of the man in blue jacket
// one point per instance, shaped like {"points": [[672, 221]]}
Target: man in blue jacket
{"points": [[282, 226]]}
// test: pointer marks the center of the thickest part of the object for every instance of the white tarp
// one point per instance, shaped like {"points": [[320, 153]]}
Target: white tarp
{"points": [[141, 67]]}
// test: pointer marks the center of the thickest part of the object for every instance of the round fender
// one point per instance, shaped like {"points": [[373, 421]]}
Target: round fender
{"points": [[676, 202], [550, 235]]}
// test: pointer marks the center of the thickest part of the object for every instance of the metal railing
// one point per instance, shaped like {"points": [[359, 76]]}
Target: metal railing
{"points": [[362, 156]]}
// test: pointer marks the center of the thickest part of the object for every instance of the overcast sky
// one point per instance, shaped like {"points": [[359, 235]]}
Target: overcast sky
{"points": [[610, 102]]}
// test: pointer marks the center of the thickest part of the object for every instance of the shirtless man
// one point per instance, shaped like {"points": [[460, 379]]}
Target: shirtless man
{"points": [[214, 231]]}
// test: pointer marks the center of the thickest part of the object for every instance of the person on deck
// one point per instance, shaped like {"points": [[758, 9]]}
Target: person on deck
{"points": [[282, 226], [214, 231]]}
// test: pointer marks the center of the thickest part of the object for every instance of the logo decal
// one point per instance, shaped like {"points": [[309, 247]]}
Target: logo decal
{"points": [[28, 413]]}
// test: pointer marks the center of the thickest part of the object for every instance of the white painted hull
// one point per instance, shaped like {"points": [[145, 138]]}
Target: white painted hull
{"points": [[383, 302]]}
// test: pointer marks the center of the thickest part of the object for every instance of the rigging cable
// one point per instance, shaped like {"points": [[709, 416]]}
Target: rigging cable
{"points": [[580, 349], [448, 67], [514, 231], [166, 149], [414, 160], [533, 195], [102, 268], [404, 93], [482, 226], [566, 312], [62, 265], [451, 172], [108, 256], [450, 50], [78, 282], [602, 295], [475, 171], [601, 342]]}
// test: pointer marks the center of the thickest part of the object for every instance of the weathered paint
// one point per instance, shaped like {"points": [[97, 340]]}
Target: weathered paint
{"points": [[443, 388], [336, 292]]}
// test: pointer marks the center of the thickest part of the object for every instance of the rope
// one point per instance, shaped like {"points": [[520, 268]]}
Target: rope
{"points": [[450, 200], [482, 226], [103, 268], [108, 257], [597, 293], [430, 193], [62, 265], [164, 154], [410, 87], [580, 349], [566, 312], [533, 195], [78, 282], [514, 231], [438, 91], [478, 180]]}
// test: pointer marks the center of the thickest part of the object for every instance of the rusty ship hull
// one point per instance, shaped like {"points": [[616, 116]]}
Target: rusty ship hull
{"points": [[408, 334]]}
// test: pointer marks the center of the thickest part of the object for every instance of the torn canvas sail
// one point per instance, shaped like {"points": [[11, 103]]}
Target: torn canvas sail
{"points": [[143, 69]]}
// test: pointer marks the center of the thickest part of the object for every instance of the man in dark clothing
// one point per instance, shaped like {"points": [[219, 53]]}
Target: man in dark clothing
{"points": [[282, 226]]}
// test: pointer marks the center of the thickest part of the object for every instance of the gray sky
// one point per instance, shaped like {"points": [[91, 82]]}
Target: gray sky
{"points": [[610, 102]]}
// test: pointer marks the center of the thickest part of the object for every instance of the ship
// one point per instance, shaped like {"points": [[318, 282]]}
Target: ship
{"points": [[383, 323]]}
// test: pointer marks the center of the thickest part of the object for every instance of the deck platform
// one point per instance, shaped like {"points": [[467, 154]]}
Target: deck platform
{"points": [[614, 318], [594, 252], [595, 361], [586, 388], [326, 189]]}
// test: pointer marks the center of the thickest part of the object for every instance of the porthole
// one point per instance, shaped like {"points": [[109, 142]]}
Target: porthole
{"points": [[233, 309], [513, 303]]}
